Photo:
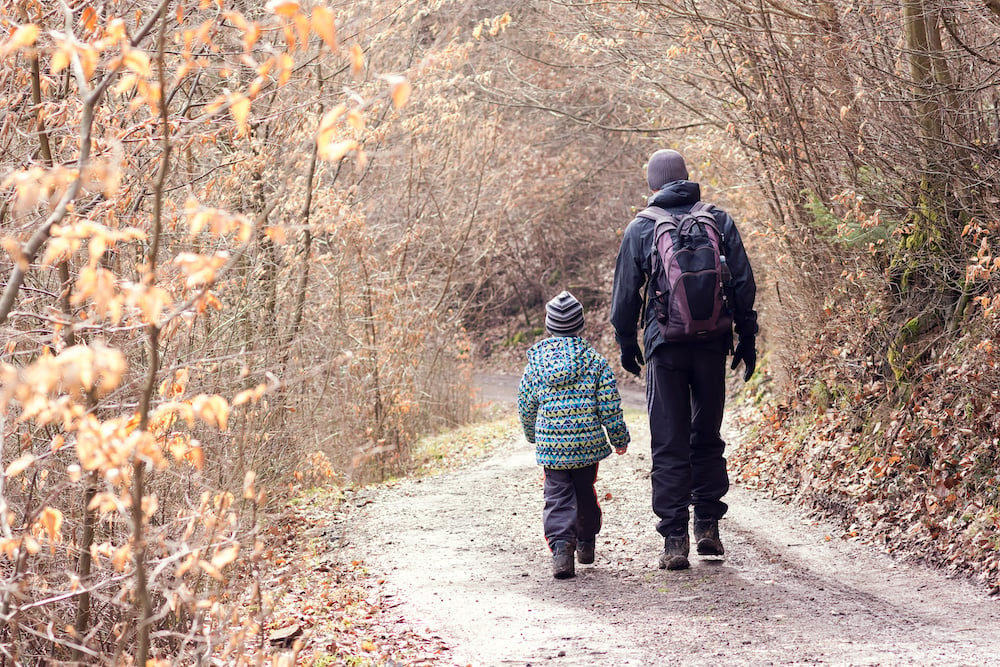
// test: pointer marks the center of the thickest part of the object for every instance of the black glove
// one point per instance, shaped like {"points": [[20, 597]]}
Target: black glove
{"points": [[632, 358], [746, 351]]}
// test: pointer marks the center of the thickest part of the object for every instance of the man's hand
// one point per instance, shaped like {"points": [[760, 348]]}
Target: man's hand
{"points": [[632, 358], [621, 450], [746, 351]]}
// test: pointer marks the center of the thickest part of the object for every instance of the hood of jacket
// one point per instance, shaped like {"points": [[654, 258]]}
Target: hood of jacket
{"points": [[676, 194], [559, 360]]}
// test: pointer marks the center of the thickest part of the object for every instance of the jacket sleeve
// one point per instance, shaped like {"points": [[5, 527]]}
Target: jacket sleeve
{"points": [[626, 295], [527, 407], [609, 407], [743, 288]]}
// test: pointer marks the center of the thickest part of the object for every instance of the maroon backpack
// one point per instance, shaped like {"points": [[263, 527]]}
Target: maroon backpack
{"points": [[690, 278]]}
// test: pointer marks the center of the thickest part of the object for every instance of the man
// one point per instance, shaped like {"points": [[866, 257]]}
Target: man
{"points": [[685, 380]]}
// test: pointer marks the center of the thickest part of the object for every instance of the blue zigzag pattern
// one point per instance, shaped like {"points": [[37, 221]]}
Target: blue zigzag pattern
{"points": [[569, 404]]}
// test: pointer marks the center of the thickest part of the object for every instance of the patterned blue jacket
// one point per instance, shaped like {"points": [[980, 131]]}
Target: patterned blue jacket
{"points": [[567, 399]]}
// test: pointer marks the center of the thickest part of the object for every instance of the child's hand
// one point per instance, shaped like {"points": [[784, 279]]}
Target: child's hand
{"points": [[621, 450]]}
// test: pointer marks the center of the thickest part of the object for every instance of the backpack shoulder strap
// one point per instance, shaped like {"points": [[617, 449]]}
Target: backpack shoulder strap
{"points": [[656, 214], [663, 221]]}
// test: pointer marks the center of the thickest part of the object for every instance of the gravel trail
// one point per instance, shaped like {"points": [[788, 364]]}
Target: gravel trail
{"points": [[462, 554]]}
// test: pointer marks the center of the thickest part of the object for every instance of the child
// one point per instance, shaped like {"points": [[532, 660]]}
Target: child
{"points": [[566, 400]]}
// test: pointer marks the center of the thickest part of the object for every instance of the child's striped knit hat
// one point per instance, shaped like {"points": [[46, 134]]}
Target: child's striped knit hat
{"points": [[564, 315]]}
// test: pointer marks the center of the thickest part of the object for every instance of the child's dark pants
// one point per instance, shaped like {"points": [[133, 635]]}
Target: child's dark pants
{"points": [[571, 511]]}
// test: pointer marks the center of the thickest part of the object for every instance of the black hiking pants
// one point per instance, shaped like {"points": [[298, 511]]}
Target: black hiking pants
{"points": [[685, 396], [571, 512]]}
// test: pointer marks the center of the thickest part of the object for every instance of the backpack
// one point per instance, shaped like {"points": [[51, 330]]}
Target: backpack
{"points": [[690, 278]]}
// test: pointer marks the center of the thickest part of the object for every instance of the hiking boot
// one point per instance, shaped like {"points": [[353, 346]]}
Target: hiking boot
{"points": [[675, 553], [562, 560], [706, 538], [585, 552]]}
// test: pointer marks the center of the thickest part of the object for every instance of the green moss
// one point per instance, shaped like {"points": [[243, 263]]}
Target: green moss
{"points": [[820, 396], [433, 454], [524, 336]]}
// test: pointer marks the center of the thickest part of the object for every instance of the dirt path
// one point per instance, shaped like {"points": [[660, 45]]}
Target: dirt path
{"points": [[462, 554]]}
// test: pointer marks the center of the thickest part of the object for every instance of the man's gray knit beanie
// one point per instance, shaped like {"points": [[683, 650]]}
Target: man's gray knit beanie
{"points": [[564, 315], [665, 166]]}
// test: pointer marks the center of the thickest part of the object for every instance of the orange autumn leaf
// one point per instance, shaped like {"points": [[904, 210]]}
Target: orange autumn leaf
{"points": [[285, 8], [285, 66], [89, 60], [182, 409], [24, 35], [88, 19], [277, 235], [213, 410], [30, 545], [336, 151], [206, 301], [324, 25], [138, 62], [250, 394], [152, 301], [357, 60], [121, 557], [399, 89], [240, 109], [195, 456], [60, 61], [250, 37], [51, 520], [327, 128], [237, 19], [19, 465], [210, 570], [224, 557], [302, 25], [356, 119]]}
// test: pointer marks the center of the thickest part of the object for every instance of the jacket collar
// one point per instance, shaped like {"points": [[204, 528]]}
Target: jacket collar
{"points": [[676, 194]]}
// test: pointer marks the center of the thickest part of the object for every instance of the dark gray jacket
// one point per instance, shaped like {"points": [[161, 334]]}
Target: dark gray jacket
{"points": [[634, 265]]}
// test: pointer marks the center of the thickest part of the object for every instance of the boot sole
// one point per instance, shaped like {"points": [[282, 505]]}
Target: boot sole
{"points": [[675, 563], [708, 548]]}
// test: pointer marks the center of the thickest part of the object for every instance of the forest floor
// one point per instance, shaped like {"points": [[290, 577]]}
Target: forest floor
{"points": [[454, 570]]}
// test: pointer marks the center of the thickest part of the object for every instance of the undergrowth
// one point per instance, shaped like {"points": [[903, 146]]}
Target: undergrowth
{"points": [[910, 467]]}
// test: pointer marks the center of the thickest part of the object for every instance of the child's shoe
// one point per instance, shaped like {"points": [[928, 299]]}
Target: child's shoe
{"points": [[585, 552], [562, 560]]}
